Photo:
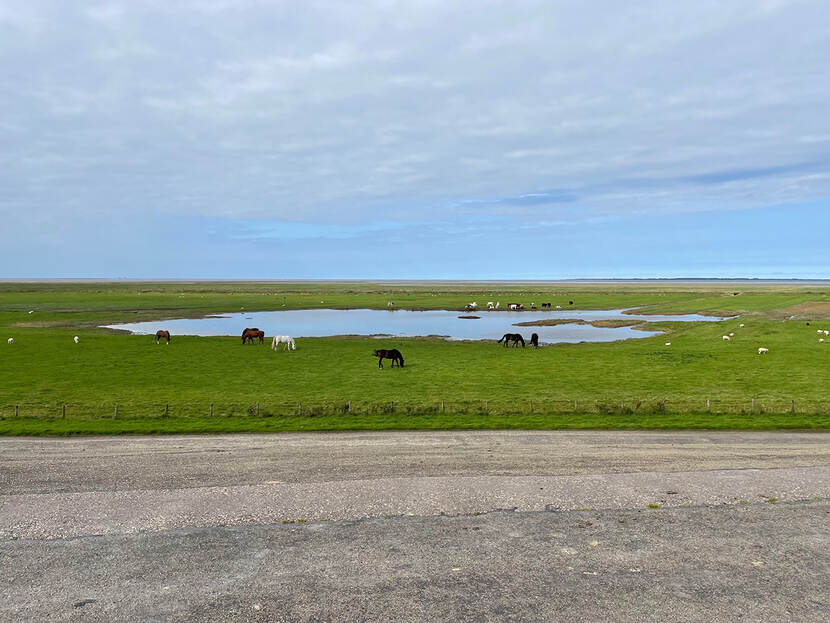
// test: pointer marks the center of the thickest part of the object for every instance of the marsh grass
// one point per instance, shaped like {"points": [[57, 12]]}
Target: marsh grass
{"points": [[334, 383]]}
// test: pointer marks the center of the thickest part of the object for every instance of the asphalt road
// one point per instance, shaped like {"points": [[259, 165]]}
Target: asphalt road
{"points": [[414, 526]]}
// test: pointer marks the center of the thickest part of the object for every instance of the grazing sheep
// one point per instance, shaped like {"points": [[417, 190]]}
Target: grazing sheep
{"points": [[821, 339], [497, 304], [763, 350], [490, 305], [819, 331], [732, 334], [741, 325], [558, 307], [668, 343], [725, 338], [76, 339], [11, 340], [827, 333], [390, 304]]}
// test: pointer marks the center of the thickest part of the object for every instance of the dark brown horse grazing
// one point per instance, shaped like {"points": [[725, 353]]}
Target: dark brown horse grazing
{"points": [[392, 353], [512, 337], [534, 340], [253, 334], [162, 335]]}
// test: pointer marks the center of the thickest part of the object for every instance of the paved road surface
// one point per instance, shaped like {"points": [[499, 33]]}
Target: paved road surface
{"points": [[524, 526]]}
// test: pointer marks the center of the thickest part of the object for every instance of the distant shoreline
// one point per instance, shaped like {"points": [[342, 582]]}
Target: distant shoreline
{"points": [[427, 281]]}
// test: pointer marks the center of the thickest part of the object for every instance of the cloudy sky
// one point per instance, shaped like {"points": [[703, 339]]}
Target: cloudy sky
{"points": [[417, 139]]}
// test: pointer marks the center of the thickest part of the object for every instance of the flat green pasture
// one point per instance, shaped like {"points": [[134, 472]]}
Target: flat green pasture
{"points": [[50, 385]]}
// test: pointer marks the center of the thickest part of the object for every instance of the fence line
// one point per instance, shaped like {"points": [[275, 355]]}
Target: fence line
{"points": [[485, 406]]}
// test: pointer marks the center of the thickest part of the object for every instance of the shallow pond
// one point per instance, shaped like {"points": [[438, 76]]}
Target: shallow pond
{"points": [[405, 323]]}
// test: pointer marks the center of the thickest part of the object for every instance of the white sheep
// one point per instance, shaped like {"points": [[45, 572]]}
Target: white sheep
{"points": [[11, 340], [668, 343], [726, 338], [732, 334], [827, 333], [821, 339], [76, 339], [741, 325], [491, 305], [763, 350], [390, 304]]}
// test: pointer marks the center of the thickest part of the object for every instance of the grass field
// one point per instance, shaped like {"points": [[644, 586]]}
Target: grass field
{"points": [[49, 385]]}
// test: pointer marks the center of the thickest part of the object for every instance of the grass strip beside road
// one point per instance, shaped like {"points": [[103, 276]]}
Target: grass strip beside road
{"points": [[25, 426]]}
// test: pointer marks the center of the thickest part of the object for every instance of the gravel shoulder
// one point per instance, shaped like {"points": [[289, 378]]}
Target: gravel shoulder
{"points": [[492, 525]]}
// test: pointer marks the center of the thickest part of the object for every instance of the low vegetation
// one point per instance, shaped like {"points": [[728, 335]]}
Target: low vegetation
{"points": [[116, 383]]}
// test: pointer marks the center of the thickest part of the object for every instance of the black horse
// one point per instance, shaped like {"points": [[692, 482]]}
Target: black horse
{"points": [[512, 337], [392, 353], [534, 340]]}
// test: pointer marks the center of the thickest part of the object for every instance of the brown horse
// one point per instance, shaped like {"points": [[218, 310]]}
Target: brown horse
{"points": [[393, 353], [162, 335], [253, 334]]}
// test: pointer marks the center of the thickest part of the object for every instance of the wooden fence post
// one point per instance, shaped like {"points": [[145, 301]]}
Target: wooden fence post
{"points": [[115, 412], [442, 406], [63, 411], [708, 406], [16, 410], [487, 406], [166, 409], [792, 407], [576, 405], [211, 409]]}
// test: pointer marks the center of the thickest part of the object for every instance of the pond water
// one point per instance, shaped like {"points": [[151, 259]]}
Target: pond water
{"points": [[405, 323]]}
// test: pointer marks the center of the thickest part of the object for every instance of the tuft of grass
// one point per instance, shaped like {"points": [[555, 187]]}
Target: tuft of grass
{"points": [[654, 506]]}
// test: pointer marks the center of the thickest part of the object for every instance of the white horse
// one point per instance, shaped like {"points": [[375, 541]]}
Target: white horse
{"points": [[283, 339]]}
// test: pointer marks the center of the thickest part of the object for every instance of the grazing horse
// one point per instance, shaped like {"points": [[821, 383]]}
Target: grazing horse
{"points": [[283, 339], [545, 305], [393, 353], [161, 334], [534, 340], [253, 334], [512, 337]]}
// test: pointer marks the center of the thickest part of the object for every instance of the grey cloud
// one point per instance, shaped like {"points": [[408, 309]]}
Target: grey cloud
{"points": [[347, 114]]}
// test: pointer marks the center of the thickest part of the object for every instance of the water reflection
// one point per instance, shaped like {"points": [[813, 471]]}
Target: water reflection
{"points": [[405, 323]]}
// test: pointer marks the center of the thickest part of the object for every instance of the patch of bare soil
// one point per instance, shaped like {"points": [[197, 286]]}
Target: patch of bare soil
{"points": [[810, 310], [614, 324], [549, 322]]}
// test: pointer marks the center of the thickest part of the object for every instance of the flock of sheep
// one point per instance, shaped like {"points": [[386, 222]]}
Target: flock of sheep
{"points": [[75, 339], [727, 338]]}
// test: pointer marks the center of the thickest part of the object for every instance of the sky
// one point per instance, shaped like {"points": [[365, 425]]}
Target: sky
{"points": [[247, 139]]}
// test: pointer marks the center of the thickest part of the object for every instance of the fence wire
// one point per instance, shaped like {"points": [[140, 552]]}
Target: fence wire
{"points": [[620, 406]]}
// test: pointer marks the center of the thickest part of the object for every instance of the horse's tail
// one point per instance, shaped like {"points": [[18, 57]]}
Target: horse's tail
{"points": [[502, 338]]}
